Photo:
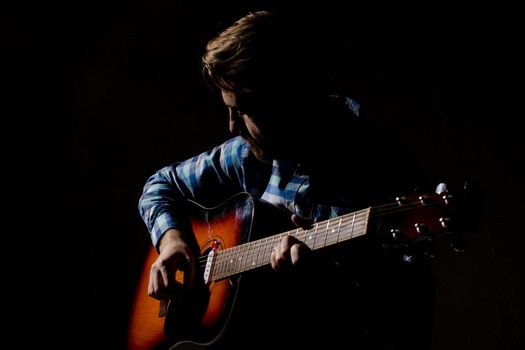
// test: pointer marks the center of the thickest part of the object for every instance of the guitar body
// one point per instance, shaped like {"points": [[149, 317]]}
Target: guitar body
{"points": [[198, 318]]}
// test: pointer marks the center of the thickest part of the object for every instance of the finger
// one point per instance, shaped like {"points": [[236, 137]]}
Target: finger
{"points": [[150, 286], [156, 288], [295, 254], [165, 277], [153, 281], [160, 286], [189, 273], [301, 222], [284, 247], [273, 259], [277, 259], [299, 253]]}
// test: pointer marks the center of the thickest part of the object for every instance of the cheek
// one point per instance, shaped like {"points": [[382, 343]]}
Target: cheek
{"points": [[253, 129]]}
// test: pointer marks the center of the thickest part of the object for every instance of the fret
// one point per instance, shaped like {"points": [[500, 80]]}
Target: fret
{"points": [[275, 239], [332, 239], [296, 234], [243, 257], [216, 269], [299, 234], [245, 262], [309, 237], [331, 232], [352, 228], [319, 241], [268, 249], [346, 228], [362, 226], [225, 263], [257, 251], [251, 260], [232, 265], [304, 234], [222, 264], [271, 245], [234, 260], [261, 251], [252, 256], [339, 229]]}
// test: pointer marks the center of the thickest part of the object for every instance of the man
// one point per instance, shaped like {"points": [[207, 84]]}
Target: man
{"points": [[316, 157]]}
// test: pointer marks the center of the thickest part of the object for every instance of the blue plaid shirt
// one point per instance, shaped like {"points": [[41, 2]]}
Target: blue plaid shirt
{"points": [[213, 176]]}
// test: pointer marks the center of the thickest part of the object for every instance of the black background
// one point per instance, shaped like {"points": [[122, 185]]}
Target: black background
{"points": [[100, 94]]}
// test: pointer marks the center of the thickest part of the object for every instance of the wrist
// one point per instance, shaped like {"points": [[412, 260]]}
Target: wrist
{"points": [[170, 236]]}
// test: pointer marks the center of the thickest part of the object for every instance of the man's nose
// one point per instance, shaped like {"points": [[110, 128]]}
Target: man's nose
{"points": [[234, 129]]}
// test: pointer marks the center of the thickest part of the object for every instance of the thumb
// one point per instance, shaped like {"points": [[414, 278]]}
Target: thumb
{"points": [[301, 222], [189, 272]]}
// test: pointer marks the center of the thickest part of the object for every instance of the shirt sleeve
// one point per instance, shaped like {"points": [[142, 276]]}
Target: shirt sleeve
{"points": [[208, 178]]}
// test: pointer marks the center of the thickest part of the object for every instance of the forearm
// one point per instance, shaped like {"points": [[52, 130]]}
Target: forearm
{"points": [[170, 237], [162, 204], [207, 179]]}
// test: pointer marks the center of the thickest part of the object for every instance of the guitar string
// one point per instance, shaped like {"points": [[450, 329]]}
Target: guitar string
{"points": [[377, 211], [262, 255]]}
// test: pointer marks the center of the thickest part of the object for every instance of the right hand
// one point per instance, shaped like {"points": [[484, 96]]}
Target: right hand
{"points": [[175, 254]]}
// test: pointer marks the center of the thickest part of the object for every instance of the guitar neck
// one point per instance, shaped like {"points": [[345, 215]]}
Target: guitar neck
{"points": [[251, 255]]}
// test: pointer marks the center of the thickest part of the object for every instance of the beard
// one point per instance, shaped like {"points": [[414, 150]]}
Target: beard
{"points": [[269, 149], [272, 143], [258, 150]]}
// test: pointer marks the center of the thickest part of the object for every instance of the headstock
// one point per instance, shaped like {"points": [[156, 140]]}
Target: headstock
{"points": [[415, 221]]}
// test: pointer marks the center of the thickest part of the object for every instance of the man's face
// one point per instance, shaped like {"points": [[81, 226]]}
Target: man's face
{"points": [[262, 126]]}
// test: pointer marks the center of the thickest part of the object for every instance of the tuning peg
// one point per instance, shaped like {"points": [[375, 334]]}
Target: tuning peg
{"points": [[445, 221], [401, 200], [447, 198], [408, 258], [396, 234], [423, 199], [421, 228], [458, 245]]}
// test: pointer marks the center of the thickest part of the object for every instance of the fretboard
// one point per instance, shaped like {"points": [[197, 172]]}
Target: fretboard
{"points": [[231, 261]]}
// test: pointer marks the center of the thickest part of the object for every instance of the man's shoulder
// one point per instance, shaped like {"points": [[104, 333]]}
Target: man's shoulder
{"points": [[233, 152], [346, 104], [235, 146]]}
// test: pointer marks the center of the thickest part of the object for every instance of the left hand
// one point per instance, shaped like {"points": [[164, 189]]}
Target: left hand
{"points": [[290, 253]]}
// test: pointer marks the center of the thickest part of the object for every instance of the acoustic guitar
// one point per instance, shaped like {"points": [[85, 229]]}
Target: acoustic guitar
{"points": [[224, 235]]}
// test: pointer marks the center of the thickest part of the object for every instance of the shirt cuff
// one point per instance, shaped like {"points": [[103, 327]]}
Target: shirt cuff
{"points": [[163, 223]]}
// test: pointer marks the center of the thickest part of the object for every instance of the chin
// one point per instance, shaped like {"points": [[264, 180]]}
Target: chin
{"points": [[261, 153]]}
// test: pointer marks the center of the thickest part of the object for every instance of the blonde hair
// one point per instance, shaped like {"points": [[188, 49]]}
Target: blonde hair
{"points": [[257, 51]]}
